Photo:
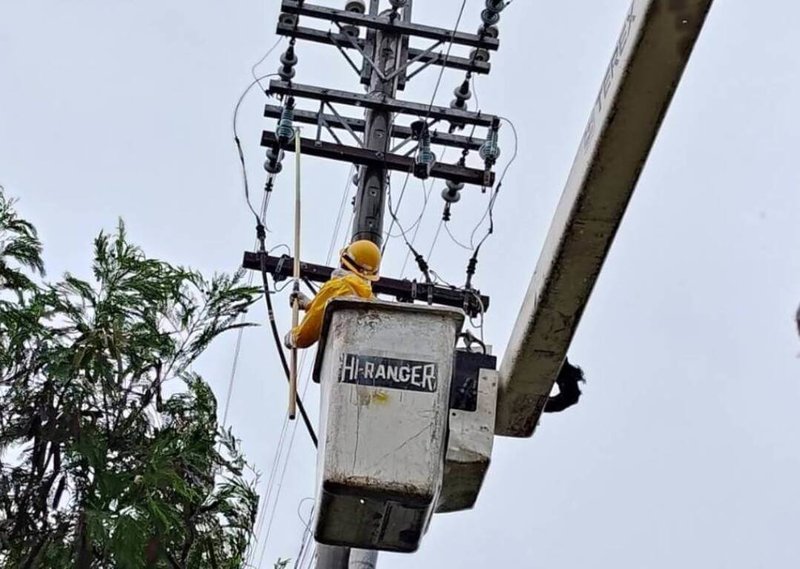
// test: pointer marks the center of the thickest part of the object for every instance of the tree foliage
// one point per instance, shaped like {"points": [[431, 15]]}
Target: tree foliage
{"points": [[111, 455]]}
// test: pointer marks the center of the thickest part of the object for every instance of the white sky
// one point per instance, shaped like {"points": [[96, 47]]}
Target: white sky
{"points": [[684, 449]]}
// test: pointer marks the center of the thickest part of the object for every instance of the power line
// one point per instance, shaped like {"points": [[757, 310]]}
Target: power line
{"points": [[446, 57], [490, 210], [239, 143], [260, 61]]}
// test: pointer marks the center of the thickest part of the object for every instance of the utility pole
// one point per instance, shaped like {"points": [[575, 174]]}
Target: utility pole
{"points": [[370, 202], [382, 142], [371, 196]]}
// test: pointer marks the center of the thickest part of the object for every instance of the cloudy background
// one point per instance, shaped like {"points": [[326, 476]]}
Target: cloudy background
{"points": [[684, 450]]}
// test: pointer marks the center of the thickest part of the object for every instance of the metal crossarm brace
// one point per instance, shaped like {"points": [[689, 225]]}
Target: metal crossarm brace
{"points": [[384, 104], [358, 125], [330, 38], [402, 290], [384, 24], [397, 162]]}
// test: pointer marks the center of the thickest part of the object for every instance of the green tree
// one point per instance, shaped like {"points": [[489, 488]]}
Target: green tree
{"points": [[111, 455]]}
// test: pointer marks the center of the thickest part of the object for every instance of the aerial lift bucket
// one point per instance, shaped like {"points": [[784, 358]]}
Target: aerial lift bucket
{"points": [[385, 371]]}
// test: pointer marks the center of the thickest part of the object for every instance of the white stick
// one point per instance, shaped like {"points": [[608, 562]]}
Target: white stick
{"points": [[296, 271]]}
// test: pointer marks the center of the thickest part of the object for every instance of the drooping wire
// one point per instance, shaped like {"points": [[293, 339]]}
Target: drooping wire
{"points": [[389, 234], [453, 238], [240, 332], [256, 78], [239, 143], [490, 209], [418, 223], [276, 335], [421, 263]]}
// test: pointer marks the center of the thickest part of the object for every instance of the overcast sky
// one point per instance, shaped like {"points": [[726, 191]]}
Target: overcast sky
{"points": [[683, 451]]}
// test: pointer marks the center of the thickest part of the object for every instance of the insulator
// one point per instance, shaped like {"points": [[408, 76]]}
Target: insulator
{"points": [[352, 31], [452, 193], [358, 6], [288, 61], [489, 17], [463, 94], [284, 132], [496, 5], [490, 150], [425, 157], [274, 158], [479, 55], [397, 4], [489, 31]]}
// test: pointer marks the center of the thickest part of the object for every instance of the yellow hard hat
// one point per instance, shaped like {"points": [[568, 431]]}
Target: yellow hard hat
{"points": [[363, 258]]}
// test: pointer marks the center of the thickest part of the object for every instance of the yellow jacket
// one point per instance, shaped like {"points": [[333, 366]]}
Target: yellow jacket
{"points": [[343, 283]]}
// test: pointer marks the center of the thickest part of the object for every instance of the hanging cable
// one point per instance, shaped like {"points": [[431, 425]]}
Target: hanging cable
{"points": [[453, 238], [273, 325], [283, 469], [493, 199], [239, 143], [256, 78], [421, 263]]}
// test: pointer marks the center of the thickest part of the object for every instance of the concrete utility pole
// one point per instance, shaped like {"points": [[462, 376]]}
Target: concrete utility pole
{"points": [[370, 202], [371, 196]]}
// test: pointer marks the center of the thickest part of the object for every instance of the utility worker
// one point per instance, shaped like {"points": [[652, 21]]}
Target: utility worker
{"points": [[359, 265]]}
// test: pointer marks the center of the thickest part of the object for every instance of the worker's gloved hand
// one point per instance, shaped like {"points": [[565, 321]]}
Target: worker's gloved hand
{"points": [[303, 300], [288, 340]]}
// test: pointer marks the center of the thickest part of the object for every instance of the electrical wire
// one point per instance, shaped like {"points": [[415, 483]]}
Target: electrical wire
{"points": [[269, 507], [260, 61], [453, 237], [340, 215], [277, 338], [493, 199], [399, 202], [239, 143], [285, 465], [435, 239], [446, 57], [414, 236]]}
